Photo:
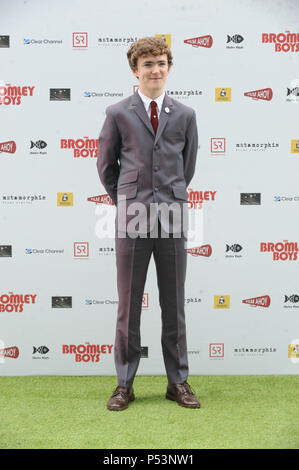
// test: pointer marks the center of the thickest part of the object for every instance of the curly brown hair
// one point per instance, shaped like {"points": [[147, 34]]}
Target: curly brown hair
{"points": [[145, 46]]}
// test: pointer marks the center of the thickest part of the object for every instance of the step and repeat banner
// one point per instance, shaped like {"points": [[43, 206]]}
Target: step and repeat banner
{"points": [[235, 63]]}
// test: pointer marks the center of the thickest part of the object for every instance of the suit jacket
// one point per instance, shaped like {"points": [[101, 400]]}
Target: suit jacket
{"points": [[135, 164]]}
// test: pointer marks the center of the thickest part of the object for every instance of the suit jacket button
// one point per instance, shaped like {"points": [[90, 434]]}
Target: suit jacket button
{"points": [[156, 168], [156, 189], [156, 147]]}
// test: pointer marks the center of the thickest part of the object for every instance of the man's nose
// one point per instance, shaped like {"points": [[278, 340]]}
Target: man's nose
{"points": [[156, 68]]}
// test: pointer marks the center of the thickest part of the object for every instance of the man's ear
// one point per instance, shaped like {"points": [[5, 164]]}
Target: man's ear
{"points": [[135, 73]]}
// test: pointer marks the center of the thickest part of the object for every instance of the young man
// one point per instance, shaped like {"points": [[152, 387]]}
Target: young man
{"points": [[147, 155]]}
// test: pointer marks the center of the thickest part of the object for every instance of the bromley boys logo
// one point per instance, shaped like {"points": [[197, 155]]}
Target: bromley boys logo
{"points": [[283, 42], [203, 250], [81, 147], [262, 301], [87, 352], [12, 95], [8, 147], [102, 199], [12, 352], [196, 198], [283, 251], [15, 302], [263, 94], [200, 41]]}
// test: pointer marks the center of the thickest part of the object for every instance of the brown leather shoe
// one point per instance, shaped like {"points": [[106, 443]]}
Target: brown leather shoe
{"points": [[183, 395], [120, 398]]}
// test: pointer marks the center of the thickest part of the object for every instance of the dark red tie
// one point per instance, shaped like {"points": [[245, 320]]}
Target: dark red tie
{"points": [[154, 116]]}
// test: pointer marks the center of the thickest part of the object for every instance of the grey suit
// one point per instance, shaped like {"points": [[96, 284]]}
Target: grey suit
{"points": [[148, 168]]}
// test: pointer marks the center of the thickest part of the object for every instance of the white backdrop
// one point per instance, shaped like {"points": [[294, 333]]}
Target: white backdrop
{"points": [[58, 297]]}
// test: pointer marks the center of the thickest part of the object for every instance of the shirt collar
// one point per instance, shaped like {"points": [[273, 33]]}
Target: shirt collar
{"points": [[147, 101]]}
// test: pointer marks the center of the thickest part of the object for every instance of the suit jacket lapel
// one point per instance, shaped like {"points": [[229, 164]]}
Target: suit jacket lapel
{"points": [[138, 106], [164, 114]]}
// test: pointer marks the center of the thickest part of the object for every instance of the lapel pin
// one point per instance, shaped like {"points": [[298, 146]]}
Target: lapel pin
{"points": [[166, 109]]}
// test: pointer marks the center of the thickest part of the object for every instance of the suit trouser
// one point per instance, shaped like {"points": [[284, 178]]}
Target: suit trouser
{"points": [[132, 260]]}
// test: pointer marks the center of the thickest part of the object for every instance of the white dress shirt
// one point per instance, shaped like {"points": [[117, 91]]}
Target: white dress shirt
{"points": [[147, 102]]}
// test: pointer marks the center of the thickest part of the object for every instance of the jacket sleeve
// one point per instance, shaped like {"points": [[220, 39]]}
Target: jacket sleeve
{"points": [[108, 154], [190, 149]]}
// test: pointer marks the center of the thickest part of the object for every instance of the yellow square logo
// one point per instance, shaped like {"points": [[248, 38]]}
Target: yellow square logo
{"points": [[166, 38], [294, 146], [293, 351], [223, 94], [65, 199], [221, 301]]}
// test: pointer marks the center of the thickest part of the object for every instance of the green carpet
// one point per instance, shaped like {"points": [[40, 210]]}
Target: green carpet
{"points": [[238, 412]]}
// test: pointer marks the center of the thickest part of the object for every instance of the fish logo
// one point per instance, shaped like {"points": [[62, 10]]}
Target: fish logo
{"points": [[235, 248], [40, 144], [294, 91], [237, 38], [28, 251], [26, 41], [41, 350], [87, 94], [292, 298], [88, 302]]}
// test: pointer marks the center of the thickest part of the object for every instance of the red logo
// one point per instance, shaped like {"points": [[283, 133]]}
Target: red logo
{"points": [[103, 199], [204, 250], [145, 301], [84, 148], [12, 352], [263, 301], [218, 145], [8, 147], [15, 302], [216, 350], [13, 94], [201, 41], [81, 249], [87, 352], [263, 94], [80, 40], [283, 251], [283, 42], [196, 198]]}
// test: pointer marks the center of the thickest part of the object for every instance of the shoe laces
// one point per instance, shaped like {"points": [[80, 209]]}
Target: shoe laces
{"points": [[185, 389], [122, 391]]}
